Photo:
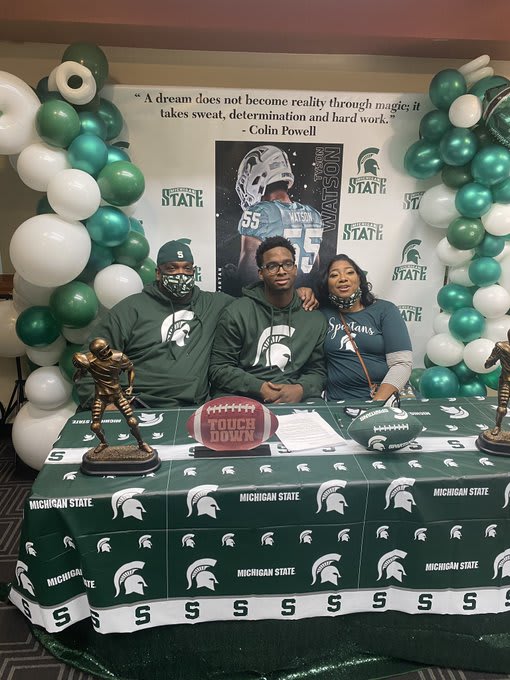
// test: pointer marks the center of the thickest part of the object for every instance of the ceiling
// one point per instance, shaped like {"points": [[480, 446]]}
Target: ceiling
{"points": [[458, 29]]}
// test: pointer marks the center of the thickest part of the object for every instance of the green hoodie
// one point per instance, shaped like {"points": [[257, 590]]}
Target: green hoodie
{"points": [[257, 342], [168, 342]]}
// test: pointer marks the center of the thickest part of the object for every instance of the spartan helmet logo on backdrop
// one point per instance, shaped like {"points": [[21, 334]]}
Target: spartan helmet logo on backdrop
{"points": [[367, 163], [131, 507], [325, 569], [398, 492], [198, 497], [126, 576], [329, 495], [502, 561], [199, 573], [22, 577], [389, 566]]}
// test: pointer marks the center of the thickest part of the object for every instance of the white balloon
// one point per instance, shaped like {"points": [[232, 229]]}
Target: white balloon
{"points": [[497, 329], [35, 295], [504, 279], [465, 111], [47, 389], [474, 64], [19, 105], [10, 344], [492, 301], [444, 350], [74, 194], [49, 355], [38, 163], [459, 275], [476, 354], [47, 250], [475, 76], [497, 220], [115, 282], [437, 206], [79, 95], [78, 335], [34, 431], [451, 256], [440, 323]]}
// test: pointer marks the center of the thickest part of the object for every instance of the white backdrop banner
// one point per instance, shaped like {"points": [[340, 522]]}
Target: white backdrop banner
{"points": [[346, 155]]}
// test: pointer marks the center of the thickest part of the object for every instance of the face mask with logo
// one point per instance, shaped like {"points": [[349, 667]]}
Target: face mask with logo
{"points": [[345, 303], [178, 285]]}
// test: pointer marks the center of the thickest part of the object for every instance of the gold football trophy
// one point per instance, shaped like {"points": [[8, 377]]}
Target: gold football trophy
{"points": [[105, 367], [497, 440]]}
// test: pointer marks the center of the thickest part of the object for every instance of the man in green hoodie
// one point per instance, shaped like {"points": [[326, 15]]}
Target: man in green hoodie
{"points": [[166, 331], [266, 345]]}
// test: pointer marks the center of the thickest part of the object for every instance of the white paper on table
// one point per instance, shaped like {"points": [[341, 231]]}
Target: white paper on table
{"points": [[306, 430]]}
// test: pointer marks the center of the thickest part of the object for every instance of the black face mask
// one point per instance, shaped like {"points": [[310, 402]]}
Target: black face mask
{"points": [[345, 303], [178, 285]]}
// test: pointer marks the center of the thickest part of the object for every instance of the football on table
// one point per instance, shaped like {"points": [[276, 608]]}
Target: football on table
{"points": [[384, 429], [232, 423]]}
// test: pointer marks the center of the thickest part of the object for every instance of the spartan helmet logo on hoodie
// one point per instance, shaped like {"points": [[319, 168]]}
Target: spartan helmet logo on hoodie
{"points": [[324, 568], [276, 353], [198, 571], [126, 576], [389, 563], [397, 491], [198, 496], [328, 494], [367, 164], [175, 328]]}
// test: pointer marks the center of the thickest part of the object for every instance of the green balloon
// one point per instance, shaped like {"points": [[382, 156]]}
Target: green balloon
{"points": [[492, 379], [92, 124], [422, 159], [428, 362], [458, 146], [497, 113], [456, 176], [473, 199], [481, 86], [433, 125], [490, 246], [37, 327], [147, 270], [88, 153], [44, 94], [463, 373], [57, 123], [466, 324], [121, 183], [115, 153], [439, 382], [75, 304], [501, 192], [92, 105], [44, 207], [133, 251], [112, 118], [484, 271], [90, 56], [491, 165], [454, 296], [465, 233], [415, 376], [473, 388], [65, 362], [445, 87], [483, 136]]}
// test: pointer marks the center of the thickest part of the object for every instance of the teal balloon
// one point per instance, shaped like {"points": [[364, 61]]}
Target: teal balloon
{"points": [[100, 257], [491, 165], [492, 379], [458, 146], [433, 125], [456, 176], [115, 153], [121, 183], [65, 362], [44, 207], [414, 378], [91, 123], [88, 153], [484, 271], [108, 226], [75, 304], [136, 225], [37, 327], [466, 324], [112, 118], [422, 160], [92, 57], [501, 192], [473, 200], [57, 123], [147, 270], [439, 382], [483, 136], [428, 362], [445, 87], [465, 233], [453, 296], [133, 250], [473, 388], [490, 246], [463, 373], [481, 86]]}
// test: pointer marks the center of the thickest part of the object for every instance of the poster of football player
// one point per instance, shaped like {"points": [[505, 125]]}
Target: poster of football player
{"points": [[275, 189]]}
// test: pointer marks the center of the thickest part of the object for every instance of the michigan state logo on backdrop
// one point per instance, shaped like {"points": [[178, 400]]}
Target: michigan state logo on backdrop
{"points": [[103, 545], [270, 344], [228, 540], [410, 312], [412, 200], [344, 536], [267, 538], [368, 180], [329, 496], [128, 580], [176, 328], [198, 498], [502, 562], [456, 532], [305, 536], [398, 493], [420, 534], [124, 500], [324, 569], [22, 577], [363, 231], [409, 268], [199, 574], [182, 197], [390, 567]]}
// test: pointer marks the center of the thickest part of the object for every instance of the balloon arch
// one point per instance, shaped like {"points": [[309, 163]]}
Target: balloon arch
{"points": [[83, 251]]}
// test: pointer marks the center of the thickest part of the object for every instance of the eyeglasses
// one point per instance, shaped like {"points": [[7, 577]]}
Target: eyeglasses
{"points": [[274, 267]]}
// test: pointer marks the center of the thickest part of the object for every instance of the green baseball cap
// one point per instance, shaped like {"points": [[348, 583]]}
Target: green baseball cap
{"points": [[175, 251]]}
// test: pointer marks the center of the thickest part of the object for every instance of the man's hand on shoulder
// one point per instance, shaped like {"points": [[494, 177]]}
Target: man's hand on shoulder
{"points": [[307, 297]]}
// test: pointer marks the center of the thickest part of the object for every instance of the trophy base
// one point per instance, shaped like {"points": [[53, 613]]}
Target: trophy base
{"points": [[205, 452], [498, 444], [120, 460]]}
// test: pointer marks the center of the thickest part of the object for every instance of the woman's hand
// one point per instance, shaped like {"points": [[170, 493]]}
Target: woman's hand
{"points": [[307, 297]]}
